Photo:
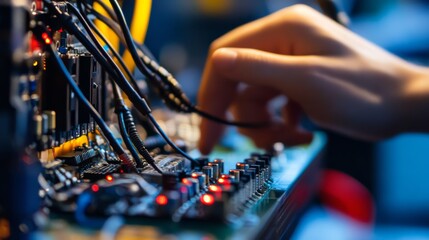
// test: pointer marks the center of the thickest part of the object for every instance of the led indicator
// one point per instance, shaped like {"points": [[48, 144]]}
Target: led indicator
{"points": [[207, 199], [35, 63], [214, 188], [186, 181], [161, 200], [45, 37], [109, 178], [95, 188]]}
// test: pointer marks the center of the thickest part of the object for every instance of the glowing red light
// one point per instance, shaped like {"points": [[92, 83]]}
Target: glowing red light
{"points": [[186, 181], [121, 171], [194, 175], [207, 199], [95, 188], [215, 188], [161, 200], [45, 35], [221, 180], [109, 178]]}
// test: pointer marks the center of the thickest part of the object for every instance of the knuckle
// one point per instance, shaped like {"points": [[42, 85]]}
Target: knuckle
{"points": [[215, 45], [301, 9]]}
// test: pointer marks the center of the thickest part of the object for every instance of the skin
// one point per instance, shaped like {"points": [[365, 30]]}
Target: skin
{"points": [[339, 80]]}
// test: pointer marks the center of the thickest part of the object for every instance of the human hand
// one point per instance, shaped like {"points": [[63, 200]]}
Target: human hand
{"points": [[341, 81]]}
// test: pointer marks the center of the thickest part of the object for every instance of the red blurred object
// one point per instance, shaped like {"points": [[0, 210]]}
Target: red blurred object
{"points": [[38, 5], [95, 188], [207, 199], [109, 178], [161, 200], [345, 194]]}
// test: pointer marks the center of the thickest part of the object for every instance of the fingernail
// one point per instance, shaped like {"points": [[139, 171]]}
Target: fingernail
{"points": [[224, 58]]}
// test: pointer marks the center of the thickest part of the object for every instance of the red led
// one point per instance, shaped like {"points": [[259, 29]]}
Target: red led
{"points": [[207, 199], [214, 188], [109, 178], [95, 188], [161, 200], [186, 181], [45, 37]]}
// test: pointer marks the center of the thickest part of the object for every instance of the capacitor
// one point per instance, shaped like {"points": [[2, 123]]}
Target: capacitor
{"points": [[250, 161], [202, 178], [52, 123], [221, 164], [215, 167], [208, 171], [241, 165], [193, 186], [235, 173]]}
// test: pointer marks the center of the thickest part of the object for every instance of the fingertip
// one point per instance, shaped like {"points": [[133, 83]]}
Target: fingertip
{"points": [[224, 58]]}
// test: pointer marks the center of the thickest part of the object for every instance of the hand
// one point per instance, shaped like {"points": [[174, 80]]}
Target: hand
{"points": [[341, 81]]}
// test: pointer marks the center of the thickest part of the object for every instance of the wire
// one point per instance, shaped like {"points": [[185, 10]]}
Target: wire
{"points": [[127, 140], [114, 52], [136, 140], [129, 132], [107, 9]]}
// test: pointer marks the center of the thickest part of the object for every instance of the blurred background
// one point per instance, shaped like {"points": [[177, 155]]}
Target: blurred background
{"points": [[395, 171]]}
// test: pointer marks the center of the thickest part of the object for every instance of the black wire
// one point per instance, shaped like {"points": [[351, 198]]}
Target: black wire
{"points": [[129, 40], [114, 52], [106, 8], [136, 140], [127, 140]]}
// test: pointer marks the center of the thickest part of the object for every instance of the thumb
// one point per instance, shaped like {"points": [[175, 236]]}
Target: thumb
{"points": [[284, 72]]}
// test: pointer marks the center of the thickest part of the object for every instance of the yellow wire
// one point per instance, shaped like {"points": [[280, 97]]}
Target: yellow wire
{"points": [[139, 25]]}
